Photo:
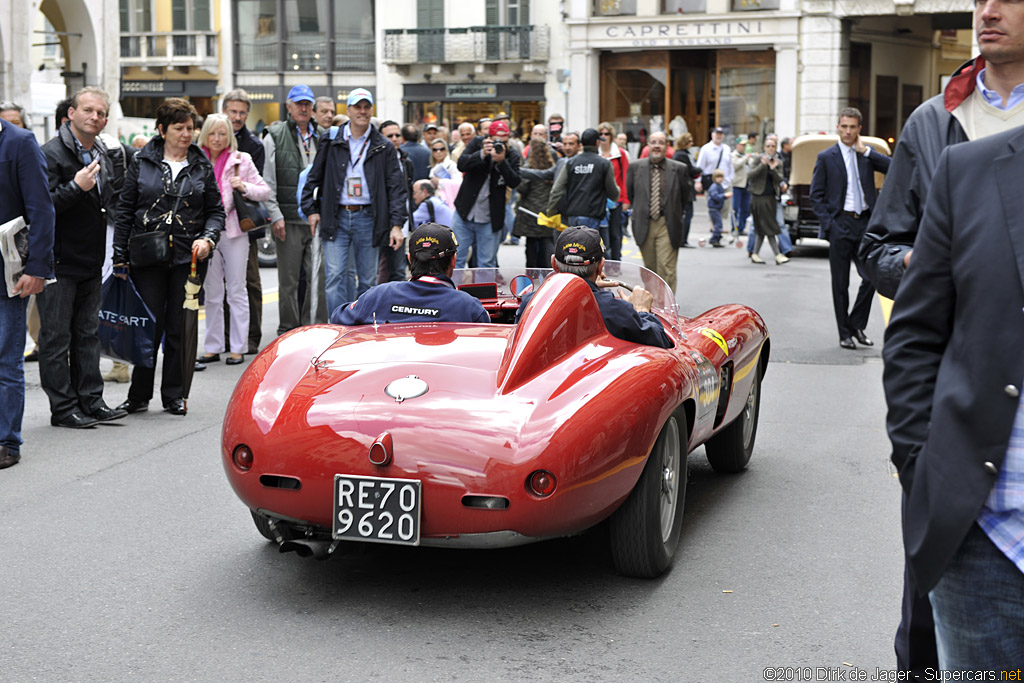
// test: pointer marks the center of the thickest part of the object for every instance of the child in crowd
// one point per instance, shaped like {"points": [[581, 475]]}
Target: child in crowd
{"points": [[716, 200]]}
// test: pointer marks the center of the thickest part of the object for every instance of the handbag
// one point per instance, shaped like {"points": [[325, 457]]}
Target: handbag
{"points": [[150, 249], [251, 215]]}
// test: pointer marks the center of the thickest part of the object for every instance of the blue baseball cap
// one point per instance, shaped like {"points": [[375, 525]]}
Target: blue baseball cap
{"points": [[358, 95], [301, 93]]}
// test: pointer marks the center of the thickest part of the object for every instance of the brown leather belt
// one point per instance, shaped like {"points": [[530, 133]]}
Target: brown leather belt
{"points": [[355, 207], [862, 214]]}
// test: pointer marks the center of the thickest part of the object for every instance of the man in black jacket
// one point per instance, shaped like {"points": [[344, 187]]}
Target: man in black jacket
{"points": [[81, 183], [236, 107], [393, 264], [489, 167], [588, 182], [362, 200]]}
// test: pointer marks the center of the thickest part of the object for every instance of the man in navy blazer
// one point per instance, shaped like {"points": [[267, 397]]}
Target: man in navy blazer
{"points": [[953, 377], [23, 192], [843, 209]]}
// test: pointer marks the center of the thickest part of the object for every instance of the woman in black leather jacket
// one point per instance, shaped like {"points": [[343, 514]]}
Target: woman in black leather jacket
{"points": [[169, 186]]}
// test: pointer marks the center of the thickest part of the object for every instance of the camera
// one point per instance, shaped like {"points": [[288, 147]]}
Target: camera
{"points": [[499, 147]]}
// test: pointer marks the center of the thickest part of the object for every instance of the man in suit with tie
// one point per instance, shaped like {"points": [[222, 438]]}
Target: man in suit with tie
{"points": [[953, 374], [22, 194], [843, 208], [658, 191]]}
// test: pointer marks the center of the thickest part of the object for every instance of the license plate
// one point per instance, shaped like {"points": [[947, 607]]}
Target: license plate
{"points": [[376, 510]]}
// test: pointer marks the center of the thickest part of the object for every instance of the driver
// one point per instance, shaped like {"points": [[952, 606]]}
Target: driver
{"points": [[430, 296], [580, 251]]}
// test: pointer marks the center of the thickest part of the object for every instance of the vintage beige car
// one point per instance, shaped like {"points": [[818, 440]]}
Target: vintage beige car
{"points": [[796, 201]]}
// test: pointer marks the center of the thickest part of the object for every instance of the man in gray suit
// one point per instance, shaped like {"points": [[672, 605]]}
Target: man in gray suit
{"points": [[658, 192]]}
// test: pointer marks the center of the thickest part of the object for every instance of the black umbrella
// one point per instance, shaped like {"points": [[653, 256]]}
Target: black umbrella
{"points": [[190, 329]]}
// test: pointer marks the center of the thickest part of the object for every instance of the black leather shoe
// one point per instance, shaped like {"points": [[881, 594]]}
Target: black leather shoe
{"points": [[209, 358], [32, 357], [199, 367], [73, 421], [176, 406], [687, 245], [234, 361], [105, 414], [862, 338], [847, 343], [718, 245], [8, 459], [132, 406]]}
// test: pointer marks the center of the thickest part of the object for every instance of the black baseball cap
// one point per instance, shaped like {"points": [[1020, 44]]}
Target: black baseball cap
{"points": [[432, 241], [430, 126], [579, 246], [590, 138], [718, 129]]}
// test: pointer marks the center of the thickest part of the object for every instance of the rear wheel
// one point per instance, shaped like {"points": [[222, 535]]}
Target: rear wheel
{"points": [[266, 251], [729, 451], [645, 530]]}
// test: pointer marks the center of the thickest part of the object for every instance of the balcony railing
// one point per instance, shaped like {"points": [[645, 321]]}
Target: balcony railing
{"points": [[307, 55], [179, 48], [475, 44]]}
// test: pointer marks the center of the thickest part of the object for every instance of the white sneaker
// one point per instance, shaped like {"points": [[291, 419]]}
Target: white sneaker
{"points": [[780, 259], [754, 258]]}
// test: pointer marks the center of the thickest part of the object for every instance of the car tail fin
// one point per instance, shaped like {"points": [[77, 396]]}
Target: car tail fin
{"points": [[561, 317]]}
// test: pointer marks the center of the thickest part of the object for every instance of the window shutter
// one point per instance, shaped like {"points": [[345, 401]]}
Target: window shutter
{"points": [[126, 25], [430, 14], [179, 16], [201, 18], [524, 12], [145, 17], [492, 16]]}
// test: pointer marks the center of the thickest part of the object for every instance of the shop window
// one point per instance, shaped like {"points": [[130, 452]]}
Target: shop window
{"points": [[748, 5], [613, 8], [683, 6], [354, 45], [746, 100], [258, 43], [635, 101], [305, 45]]}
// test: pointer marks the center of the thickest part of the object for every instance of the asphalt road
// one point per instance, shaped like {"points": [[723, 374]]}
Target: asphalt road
{"points": [[124, 554]]}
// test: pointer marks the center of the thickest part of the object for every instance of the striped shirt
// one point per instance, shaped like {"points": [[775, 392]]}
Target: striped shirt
{"points": [[1002, 516]]}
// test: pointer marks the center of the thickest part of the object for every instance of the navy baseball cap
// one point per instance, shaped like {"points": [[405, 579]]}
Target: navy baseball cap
{"points": [[590, 138], [579, 246], [432, 241], [301, 93]]}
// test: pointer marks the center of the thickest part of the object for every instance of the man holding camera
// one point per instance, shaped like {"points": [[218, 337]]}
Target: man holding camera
{"points": [[489, 168]]}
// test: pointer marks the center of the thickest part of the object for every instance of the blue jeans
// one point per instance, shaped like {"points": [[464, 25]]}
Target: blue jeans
{"points": [[354, 235], [979, 608], [785, 241], [741, 207], [12, 370], [477, 235], [716, 225]]}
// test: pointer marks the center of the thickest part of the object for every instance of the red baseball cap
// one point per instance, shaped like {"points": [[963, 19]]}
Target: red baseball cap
{"points": [[499, 128]]}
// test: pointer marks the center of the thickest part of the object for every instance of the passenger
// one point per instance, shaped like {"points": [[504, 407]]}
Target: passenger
{"points": [[579, 251], [430, 296]]}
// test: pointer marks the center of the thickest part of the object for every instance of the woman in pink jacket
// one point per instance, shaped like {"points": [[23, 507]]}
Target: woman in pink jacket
{"points": [[234, 170]]}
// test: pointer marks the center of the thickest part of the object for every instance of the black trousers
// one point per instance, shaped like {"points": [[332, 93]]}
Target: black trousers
{"points": [[614, 251], [844, 239], [69, 345], [163, 291], [915, 638], [687, 219]]}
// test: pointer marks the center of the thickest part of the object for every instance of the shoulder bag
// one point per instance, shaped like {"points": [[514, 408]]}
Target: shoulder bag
{"points": [[251, 215]]}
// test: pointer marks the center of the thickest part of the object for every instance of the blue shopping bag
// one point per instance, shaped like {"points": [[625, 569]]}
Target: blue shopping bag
{"points": [[127, 327]]}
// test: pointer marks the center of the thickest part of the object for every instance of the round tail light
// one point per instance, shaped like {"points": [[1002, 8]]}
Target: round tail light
{"points": [[541, 483], [242, 457]]}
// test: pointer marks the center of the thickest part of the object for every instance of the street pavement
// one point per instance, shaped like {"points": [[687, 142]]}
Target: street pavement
{"points": [[125, 554]]}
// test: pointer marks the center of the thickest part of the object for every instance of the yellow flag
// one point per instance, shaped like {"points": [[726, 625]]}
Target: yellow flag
{"points": [[551, 221]]}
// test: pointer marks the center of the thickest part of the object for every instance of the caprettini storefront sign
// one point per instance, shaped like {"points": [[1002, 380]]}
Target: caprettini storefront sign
{"points": [[470, 91], [683, 33]]}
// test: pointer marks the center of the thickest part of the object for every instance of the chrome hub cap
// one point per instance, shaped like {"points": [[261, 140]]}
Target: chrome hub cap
{"points": [[670, 473]]}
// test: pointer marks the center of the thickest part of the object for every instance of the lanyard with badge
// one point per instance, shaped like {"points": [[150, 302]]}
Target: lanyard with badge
{"points": [[354, 183]]}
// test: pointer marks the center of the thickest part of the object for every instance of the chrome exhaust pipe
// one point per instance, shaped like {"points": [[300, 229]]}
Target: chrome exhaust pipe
{"points": [[321, 550]]}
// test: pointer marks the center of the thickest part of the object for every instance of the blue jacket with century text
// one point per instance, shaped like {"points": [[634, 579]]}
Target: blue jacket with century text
{"points": [[431, 298]]}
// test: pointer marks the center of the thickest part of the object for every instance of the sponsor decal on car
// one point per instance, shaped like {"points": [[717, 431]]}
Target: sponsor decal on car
{"points": [[714, 336]]}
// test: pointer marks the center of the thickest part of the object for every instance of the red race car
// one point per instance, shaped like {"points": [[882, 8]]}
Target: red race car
{"points": [[493, 435]]}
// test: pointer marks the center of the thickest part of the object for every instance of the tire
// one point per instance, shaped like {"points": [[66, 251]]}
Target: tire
{"points": [[729, 451], [266, 251], [644, 532], [263, 526]]}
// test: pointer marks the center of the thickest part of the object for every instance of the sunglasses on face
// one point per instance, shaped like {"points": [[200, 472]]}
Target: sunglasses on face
{"points": [[438, 149], [393, 135]]}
